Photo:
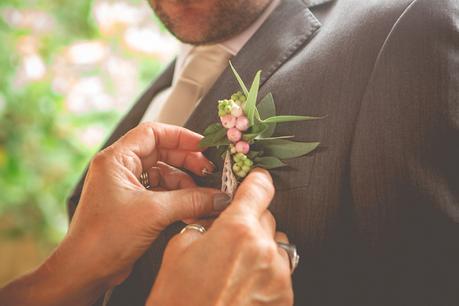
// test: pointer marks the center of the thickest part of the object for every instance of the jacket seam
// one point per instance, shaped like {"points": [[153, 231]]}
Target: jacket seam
{"points": [[370, 78]]}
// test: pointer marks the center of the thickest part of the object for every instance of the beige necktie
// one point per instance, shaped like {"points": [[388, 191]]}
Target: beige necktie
{"points": [[200, 70]]}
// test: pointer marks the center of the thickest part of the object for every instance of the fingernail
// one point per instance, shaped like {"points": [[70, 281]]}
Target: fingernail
{"points": [[213, 165], [221, 201], [205, 172]]}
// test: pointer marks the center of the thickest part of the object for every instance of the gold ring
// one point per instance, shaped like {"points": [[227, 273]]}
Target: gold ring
{"points": [[145, 180], [194, 227]]}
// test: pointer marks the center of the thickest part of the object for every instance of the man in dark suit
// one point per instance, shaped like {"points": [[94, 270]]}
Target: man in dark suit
{"points": [[375, 211]]}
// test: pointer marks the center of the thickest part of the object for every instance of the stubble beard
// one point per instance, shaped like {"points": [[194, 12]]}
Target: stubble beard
{"points": [[227, 19]]}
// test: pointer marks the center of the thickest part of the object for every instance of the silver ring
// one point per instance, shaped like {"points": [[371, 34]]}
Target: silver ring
{"points": [[144, 179], [292, 253], [194, 227]]}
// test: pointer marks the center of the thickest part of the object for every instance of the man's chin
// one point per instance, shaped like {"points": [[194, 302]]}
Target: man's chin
{"points": [[196, 38]]}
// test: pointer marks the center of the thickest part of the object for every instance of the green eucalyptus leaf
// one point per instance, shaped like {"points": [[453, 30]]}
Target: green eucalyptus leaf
{"points": [[257, 118], [258, 128], [250, 105], [213, 128], [261, 139], [222, 143], [269, 162], [255, 132], [238, 78], [249, 137], [253, 154], [215, 139], [286, 149], [266, 109], [269, 131], [281, 119]]}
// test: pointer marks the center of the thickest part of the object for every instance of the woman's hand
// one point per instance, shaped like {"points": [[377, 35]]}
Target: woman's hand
{"points": [[117, 219], [236, 262]]}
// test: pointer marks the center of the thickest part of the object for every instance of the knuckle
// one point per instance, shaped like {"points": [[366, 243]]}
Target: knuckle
{"points": [[267, 252], [146, 128], [247, 239], [242, 230], [101, 158]]}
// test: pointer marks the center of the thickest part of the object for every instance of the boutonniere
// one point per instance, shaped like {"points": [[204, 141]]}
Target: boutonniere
{"points": [[244, 135]]}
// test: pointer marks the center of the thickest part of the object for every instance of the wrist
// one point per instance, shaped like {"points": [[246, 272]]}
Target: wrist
{"points": [[60, 280], [80, 259], [96, 255], [70, 275]]}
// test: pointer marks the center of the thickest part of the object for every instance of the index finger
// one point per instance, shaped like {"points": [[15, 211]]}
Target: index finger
{"points": [[151, 142], [149, 136], [254, 194]]}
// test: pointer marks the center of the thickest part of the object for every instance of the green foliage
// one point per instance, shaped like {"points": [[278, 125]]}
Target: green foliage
{"points": [[269, 162], [239, 80], [215, 136], [285, 149], [251, 104], [267, 151], [283, 119], [266, 108], [213, 128]]}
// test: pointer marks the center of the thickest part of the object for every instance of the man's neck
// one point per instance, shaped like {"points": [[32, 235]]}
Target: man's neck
{"points": [[234, 44]]}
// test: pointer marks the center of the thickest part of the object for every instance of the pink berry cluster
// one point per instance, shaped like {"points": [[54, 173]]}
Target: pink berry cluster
{"points": [[235, 121]]}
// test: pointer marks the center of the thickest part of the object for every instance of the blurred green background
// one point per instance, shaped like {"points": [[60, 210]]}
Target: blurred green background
{"points": [[69, 70]]}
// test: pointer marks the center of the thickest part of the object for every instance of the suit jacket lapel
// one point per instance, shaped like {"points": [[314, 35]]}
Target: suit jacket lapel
{"points": [[289, 27]]}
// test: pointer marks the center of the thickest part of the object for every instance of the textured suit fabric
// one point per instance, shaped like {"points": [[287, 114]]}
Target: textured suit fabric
{"points": [[375, 211]]}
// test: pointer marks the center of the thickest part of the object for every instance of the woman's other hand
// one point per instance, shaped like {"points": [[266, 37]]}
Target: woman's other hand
{"points": [[236, 262]]}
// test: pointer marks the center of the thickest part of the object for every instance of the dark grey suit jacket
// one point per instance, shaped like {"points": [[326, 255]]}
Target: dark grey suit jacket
{"points": [[375, 211]]}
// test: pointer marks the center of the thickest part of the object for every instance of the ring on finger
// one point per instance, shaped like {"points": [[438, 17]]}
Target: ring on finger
{"points": [[144, 179], [195, 227], [292, 253]]}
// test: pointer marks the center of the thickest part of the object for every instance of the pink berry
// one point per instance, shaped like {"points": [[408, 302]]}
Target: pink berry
{"points": [[228, 121], [236, 110], [242, 147], [242, 123], [234, 135]]}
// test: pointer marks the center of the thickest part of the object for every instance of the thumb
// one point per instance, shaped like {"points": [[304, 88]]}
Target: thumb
{"points": [[190, 203]]}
